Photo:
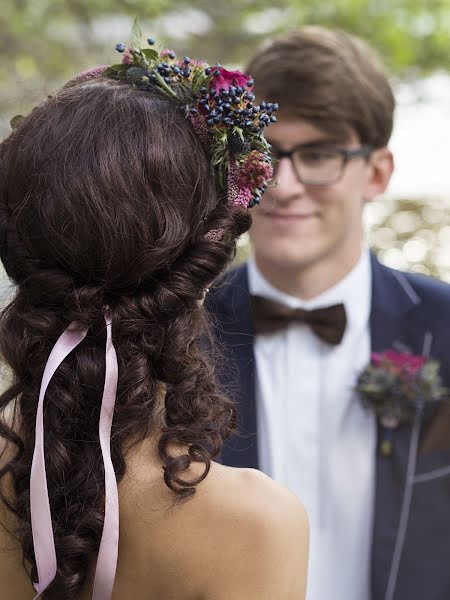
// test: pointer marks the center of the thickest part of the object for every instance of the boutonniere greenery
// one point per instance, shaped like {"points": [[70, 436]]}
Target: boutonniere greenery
{"points": [[396, 386]]}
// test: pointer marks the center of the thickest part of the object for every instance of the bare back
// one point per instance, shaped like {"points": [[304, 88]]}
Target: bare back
{"points": [[241, 536]]}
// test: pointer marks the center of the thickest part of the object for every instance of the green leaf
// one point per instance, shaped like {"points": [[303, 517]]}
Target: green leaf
{"points": [[199, 79], [238, 131], [114, 74], [118, 67], [136, 35], [150, 54], [16, 121], [164, 86]]}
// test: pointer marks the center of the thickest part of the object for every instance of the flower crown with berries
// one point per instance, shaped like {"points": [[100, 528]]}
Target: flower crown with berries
{"points": [[220, 105]]}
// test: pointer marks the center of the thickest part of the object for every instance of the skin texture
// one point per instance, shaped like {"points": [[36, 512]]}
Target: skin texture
{"points": [[241, 536], [307, 238]]}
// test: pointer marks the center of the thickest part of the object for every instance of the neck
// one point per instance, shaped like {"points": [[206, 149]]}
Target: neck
{"points": [[311, 279]]}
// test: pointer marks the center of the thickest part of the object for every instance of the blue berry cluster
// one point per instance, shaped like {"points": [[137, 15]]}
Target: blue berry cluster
{"points": [[232, 107], [167, 71], [235, 107]]}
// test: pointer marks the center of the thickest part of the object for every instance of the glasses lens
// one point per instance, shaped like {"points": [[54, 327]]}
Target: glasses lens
{"points": [[317, 166]]}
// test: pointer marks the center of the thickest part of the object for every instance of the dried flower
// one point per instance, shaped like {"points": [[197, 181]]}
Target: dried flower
{"points": [[127, 58], [255, 170]]}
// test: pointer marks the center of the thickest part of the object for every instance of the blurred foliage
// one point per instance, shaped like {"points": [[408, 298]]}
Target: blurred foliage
{"points": [[410, 235], [44, 42]]}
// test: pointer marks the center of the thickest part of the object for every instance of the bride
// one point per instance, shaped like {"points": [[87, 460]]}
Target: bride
{"points": [[121, 199]]}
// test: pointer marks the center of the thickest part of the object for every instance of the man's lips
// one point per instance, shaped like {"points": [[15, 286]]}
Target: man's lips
{"points": [[281, 217]]}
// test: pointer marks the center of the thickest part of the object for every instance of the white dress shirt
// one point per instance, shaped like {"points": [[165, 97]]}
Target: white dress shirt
{"points": [[314, 436]]}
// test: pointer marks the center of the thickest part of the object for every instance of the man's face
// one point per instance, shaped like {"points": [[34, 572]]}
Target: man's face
{"points": [[299, 224]]}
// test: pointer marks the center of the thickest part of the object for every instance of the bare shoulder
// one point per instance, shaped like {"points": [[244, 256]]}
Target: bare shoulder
{"points": [[241, 536], [256, 498], [265, 536]]}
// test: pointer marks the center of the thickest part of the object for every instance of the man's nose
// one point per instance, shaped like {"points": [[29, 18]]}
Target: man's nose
{"points": [[287, 184]]}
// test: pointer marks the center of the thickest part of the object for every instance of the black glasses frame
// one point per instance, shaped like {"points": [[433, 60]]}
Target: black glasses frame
{"points": [[347, 154]]}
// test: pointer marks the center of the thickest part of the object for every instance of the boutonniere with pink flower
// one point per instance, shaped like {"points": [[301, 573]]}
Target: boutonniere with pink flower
{"points": [[396, 386]]}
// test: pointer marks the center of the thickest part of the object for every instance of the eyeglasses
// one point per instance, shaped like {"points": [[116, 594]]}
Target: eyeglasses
{"points": [[318, 165]]}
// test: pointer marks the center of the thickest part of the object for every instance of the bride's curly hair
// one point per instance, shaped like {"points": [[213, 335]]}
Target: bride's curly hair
{"points": [[106, 194]]}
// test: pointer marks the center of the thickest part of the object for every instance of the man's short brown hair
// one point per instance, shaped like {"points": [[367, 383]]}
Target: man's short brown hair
{"points": [[330, 78]]}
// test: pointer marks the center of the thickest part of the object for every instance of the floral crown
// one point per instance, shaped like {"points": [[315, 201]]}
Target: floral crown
{"points": [[219, 104]]}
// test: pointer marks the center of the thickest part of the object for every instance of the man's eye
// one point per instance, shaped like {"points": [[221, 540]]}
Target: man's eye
{"points": [[315, 156]]}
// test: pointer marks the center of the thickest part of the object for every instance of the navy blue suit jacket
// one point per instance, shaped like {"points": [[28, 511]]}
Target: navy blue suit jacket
{"points": [[407, 309]]}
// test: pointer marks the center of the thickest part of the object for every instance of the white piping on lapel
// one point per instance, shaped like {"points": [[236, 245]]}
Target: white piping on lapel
{"points": [[427, 342], [411, 478], [405, 510], [407, 287], [435, 474]]}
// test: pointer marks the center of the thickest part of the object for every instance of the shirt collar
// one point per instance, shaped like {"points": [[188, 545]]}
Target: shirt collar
{"points": [[354, 291]]}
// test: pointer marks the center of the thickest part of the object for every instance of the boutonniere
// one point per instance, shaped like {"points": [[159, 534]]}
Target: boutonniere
{"points": [[396, 386]]}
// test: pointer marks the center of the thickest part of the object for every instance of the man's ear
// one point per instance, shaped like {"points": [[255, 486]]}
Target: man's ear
{"points": [[381, 167]]}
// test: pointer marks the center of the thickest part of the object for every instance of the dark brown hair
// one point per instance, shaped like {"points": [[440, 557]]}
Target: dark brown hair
{"points": [[330, 78], [105, 197]]}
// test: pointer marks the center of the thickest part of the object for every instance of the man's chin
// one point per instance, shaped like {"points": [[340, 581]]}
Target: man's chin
{"points": [[289, 259]]}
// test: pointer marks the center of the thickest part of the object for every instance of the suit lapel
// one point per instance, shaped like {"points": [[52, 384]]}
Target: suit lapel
{"points": [[394, 323], [234, 329], [392, 300]]}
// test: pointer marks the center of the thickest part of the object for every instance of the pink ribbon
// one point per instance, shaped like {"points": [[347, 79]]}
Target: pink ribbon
{"points": [[41, 519], [109, 544]]}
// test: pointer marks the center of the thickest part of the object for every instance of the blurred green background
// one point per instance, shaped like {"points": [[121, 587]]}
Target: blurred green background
{"points": [[44, 42]]}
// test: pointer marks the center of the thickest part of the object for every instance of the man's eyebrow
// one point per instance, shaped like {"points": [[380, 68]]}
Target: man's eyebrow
{"points": [[322, 142], [314, 143]]}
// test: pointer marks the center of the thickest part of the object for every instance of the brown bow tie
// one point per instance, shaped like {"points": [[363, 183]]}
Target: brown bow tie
{"points": [[327, 323]]}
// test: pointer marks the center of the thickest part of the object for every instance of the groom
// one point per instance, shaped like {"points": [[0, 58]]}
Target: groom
{"points": [[376, 532]]}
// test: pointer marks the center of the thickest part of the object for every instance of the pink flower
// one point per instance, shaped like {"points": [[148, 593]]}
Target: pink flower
{"points": [[215, 235], [200, 127], [199, 63], [227, 78], [232, 181], [166, 52], [91, 73], [127, 57], [398, 361], [243, 198]]}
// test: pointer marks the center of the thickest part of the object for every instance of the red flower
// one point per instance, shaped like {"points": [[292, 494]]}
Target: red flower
{"points": [[227, 78], [398, 361]]}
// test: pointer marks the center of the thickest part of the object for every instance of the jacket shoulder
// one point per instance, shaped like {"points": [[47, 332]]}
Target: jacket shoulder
{"points": [[229, 286]]}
